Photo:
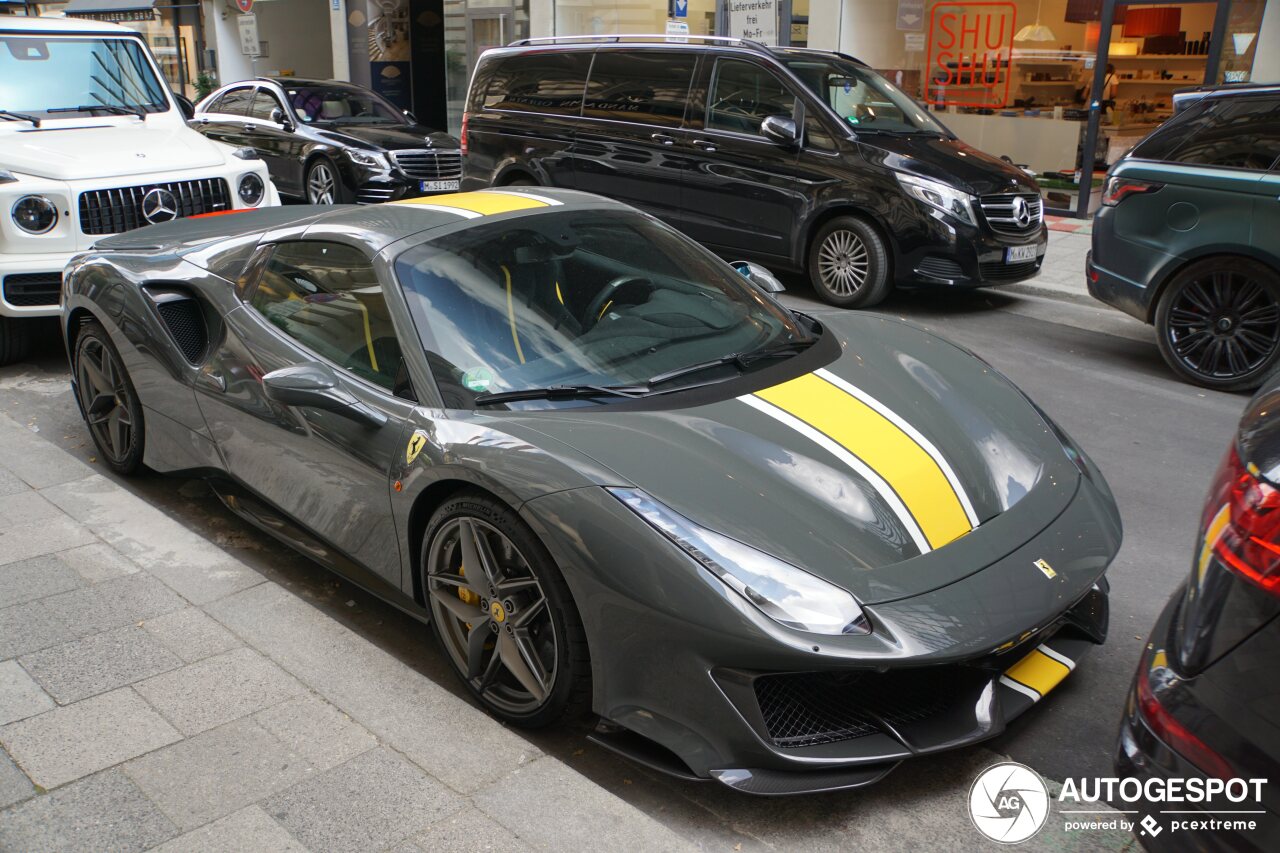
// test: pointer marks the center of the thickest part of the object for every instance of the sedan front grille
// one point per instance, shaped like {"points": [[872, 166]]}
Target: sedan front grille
{"points": [[810, 708], [115, 210], [30, 289], [430, 164], [1001, 214]]}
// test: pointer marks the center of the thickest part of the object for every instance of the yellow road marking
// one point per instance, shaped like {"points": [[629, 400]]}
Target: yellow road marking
{"points": [[903, 464]]}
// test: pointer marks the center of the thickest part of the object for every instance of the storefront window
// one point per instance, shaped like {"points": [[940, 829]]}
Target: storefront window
{"points": [[170, 30], [1240, 45], [470, 28], [605, 17]]}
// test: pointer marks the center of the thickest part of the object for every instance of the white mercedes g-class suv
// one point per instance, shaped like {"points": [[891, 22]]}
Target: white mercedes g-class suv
{"points": [[93, 142]]}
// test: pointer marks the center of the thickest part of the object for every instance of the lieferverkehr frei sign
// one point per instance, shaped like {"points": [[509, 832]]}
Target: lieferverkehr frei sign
{"points": [[754, 19]]}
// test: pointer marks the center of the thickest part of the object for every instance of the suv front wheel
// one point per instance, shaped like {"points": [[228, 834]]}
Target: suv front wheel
{"points": [[1218, 323], [849, 263]]}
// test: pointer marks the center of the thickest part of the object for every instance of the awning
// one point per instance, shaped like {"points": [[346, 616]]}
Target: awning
{"points": [[114, 11]]}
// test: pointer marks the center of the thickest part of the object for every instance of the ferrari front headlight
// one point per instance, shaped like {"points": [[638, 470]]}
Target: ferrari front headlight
{"points": [[786, 594]]}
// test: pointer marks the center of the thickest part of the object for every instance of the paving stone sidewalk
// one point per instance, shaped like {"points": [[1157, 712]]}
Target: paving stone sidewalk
{"points": [[156, 693]]}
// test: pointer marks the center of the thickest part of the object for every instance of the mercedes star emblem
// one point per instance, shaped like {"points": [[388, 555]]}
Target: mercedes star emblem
{"points": [[159, 205], [1021, 211]]}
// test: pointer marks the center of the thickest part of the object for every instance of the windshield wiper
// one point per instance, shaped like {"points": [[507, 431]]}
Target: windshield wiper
{"points": [[12, 116], [110, 108], [739, 359], [560, 392]]}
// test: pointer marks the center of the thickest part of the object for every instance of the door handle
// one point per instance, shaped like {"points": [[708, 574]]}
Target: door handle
{"points": [[248, 128], [704, 145], [663, 139]]}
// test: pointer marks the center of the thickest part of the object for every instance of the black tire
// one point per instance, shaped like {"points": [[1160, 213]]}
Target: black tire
{"points": [[1218, 323], [849, 263], [520, 182], [569, 695], [15, 339], [339, 194], [107, 410]]}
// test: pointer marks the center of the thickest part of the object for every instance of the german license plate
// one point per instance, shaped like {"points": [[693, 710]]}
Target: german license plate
{"points": [[1017, 254], [437, 186]]}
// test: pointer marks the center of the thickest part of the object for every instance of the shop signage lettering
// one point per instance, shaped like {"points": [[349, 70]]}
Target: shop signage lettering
{"points": [[754, 19], [969, 49]]}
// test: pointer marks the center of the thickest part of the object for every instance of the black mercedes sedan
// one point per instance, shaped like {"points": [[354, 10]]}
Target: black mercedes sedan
{"points": [[1205, 700], [329, 142]]}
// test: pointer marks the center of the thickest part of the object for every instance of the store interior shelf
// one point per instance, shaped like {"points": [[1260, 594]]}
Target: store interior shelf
{"points": [[1124, 82], [1161, 56]]}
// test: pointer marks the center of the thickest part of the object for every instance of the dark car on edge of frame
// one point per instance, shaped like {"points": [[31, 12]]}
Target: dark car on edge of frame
{"points": [[1205, 699], [1186, 237], [800, 159], [330, 142]]}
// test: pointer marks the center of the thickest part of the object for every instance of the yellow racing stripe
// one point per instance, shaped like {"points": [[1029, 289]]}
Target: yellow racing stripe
{"points": [[1038, 671], [479, 202], [884, 447]]}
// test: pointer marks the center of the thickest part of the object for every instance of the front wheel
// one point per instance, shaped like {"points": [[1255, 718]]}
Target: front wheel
{"points": [[503, 613], [15, 339], [849, 263], [323, 184], [1218, 323]]}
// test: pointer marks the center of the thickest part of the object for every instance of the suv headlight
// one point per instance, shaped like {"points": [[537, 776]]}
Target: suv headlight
{"points": [[368, 159], [251, 189], [938, 195], [246, 153], [34, 214], [784, 593]]}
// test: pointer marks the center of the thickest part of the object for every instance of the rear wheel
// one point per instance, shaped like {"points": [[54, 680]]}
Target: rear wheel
{"points": [[1218, 323], [108, 400], [503, 613], [15, 339], [849, 263]]}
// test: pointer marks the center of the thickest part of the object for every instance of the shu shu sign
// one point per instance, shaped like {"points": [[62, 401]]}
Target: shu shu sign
{"points": [[969, 49]]}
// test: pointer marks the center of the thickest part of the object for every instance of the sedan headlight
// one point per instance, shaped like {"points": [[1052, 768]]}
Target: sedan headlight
{"points": [[35, 214], [784, 593], [938, 195], [368, 159], [251, 189]]}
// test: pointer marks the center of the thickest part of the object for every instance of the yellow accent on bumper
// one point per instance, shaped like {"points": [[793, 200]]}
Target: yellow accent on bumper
{"points": [[1038, 671]]}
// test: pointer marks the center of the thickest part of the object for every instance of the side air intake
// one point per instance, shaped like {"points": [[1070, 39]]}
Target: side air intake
{"points": [[183, 317]]}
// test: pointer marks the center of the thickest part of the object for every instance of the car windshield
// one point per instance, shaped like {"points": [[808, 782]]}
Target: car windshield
{"points": [[862, 97], [341, 105], [50, 77], [579, 298]]}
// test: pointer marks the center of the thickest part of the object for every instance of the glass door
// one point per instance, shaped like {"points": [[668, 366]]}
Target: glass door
{"points": [[487, 28]]}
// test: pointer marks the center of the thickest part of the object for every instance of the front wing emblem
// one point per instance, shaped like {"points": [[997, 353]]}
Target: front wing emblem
{"points": [[1043, 565]]}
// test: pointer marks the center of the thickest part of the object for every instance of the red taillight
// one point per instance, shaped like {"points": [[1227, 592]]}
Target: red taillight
{"points": [[1167, 728], [1241, 524], [1118, 189], [462, 137]]}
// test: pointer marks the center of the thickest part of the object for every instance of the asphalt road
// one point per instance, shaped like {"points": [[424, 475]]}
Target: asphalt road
{"points": [[1158, 442]]}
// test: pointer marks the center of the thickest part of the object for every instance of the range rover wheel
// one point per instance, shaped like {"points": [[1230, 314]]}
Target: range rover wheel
{"points": [[108, 401], [849, 263], [15, 339], [1218, 323], [323, 184], [503, 613]]}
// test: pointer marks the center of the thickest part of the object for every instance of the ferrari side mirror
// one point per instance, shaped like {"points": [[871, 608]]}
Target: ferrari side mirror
{"points": [[313, 385], [759, 276]]}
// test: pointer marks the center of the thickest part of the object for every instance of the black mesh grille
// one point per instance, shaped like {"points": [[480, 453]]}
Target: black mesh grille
{"points": [[430, 164], [940, 267], [811, 708], [186, 324], [28, 289], [1006, 272], [113, 211]]}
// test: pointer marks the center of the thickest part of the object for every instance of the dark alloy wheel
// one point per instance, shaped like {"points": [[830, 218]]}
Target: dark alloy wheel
{"points": [[849, 264], [1218, 323], [108, 401], [503, 613]]}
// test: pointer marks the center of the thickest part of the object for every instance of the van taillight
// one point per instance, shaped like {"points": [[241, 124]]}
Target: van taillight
{"points": [[462, 137], [1118, 189], [1242, 524]]}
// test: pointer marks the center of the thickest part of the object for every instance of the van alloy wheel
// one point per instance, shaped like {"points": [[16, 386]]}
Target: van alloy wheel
{"points": [[843, 262]]}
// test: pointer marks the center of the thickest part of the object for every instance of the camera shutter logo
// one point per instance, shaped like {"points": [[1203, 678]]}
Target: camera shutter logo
{"points": [[1009, 803]]}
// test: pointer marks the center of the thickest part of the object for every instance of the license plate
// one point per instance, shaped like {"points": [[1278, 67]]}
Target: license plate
{"points": [[1017, 254], [437, 186]]}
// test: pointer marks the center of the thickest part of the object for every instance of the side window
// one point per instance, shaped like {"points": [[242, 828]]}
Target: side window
{"points": [[263, 103], [215, 106], [236, 102], [642, 86], [816, 135], [327, 298], [549, 83], [744, 94], [1244, 134]]}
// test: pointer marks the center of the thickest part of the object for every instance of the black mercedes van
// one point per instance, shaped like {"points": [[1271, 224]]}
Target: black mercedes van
{"points": [[799, 159]]}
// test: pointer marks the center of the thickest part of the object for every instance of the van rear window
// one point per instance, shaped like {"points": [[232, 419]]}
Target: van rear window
{"points": [[548, 83]]}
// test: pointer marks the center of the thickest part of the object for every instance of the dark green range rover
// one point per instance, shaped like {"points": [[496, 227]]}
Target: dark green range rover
{"points": [[1188, 237]]}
